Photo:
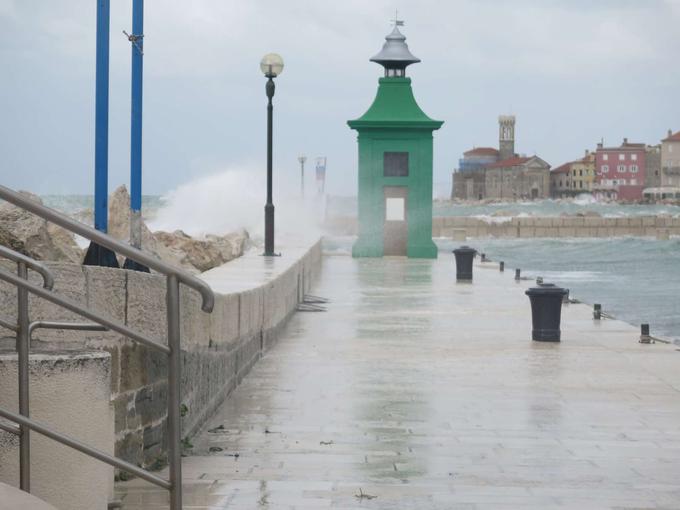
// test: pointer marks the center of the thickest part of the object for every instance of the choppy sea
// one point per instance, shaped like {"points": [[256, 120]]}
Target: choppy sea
{"points": [[81, 205], [635, 279]]}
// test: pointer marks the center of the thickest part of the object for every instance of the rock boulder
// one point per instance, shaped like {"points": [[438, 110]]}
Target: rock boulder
{"points": [[178, 248], [29, 234]]}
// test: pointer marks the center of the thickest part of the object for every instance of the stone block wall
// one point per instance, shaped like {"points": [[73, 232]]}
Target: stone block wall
{"points": [[218, 349], [569, 226]]}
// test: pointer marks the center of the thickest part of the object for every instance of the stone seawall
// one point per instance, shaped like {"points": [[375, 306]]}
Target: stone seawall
{"points": [[218, 349], [459, 227], [656, 226]]}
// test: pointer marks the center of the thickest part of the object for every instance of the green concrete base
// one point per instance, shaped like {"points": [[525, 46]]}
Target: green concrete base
{"points": [[418, 251], [423, 251], [363, 248]]}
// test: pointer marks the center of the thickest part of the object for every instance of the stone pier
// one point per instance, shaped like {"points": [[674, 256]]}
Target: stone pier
{"points": [[255, 296], [415, 392]]}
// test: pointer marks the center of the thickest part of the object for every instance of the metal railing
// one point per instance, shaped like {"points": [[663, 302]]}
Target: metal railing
{"points": [[24, 329]]}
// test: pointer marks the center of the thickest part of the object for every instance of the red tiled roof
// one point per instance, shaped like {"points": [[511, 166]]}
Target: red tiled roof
{"points": [[482, 151], [507, 163], [673, 138], [561, 169]]}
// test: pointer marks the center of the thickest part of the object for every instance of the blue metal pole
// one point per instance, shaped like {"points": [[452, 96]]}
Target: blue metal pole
{"points": [[101, 128], [136, 123]]}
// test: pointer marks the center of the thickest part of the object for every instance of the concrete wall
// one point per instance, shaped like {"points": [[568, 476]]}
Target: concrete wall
{"points": [[457, 226], [218, 349], [70, 392], [558, 227]]}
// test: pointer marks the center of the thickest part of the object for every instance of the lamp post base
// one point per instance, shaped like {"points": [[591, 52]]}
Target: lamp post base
{"points": [[269, 230], [98, 255], [133, 265]]}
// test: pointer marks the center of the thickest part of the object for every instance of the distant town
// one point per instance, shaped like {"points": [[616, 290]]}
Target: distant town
{"points": [[630, 172]]}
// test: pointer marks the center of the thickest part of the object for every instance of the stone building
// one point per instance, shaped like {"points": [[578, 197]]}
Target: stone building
{"points": [[560, 181], [573, 178], [583, 174], [670, 160], [518, 177], [485, 172], [653, 166], [471, 182]]}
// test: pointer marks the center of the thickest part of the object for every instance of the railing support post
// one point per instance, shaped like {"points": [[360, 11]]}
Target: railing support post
{"points": [[22, 358], [174, 393]]}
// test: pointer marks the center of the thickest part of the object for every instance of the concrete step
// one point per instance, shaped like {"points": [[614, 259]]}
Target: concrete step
{"points": [[12, 498]]}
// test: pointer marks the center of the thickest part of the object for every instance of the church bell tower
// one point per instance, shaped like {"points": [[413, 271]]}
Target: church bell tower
{"points": [[506, 136]]}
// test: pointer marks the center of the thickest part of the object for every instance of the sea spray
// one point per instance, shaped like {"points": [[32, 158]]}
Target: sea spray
{"points": [[233, 199], [585, 199]]}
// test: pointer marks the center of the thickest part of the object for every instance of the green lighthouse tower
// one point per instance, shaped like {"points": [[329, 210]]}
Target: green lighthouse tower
{"points": [[395, 163]]}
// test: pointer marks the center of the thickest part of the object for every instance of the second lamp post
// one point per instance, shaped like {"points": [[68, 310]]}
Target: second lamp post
{"points": [[271, 65], [302, 160]]}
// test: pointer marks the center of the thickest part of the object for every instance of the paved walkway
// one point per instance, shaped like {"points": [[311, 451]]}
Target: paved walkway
{"points": [[414, 392]]}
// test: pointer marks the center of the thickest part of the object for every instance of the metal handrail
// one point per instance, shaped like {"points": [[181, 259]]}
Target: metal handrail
{"points": [[109, 242], [24, 328], [7, 325], [69, 326], [8, 427], [82, 447], [48, 278]]}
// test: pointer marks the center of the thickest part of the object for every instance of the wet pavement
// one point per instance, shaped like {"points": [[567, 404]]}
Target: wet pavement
{"points": [[415, 392]]}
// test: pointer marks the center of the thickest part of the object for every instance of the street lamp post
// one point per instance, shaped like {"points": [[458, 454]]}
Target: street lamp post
{"points": [[302, 160], [271, 65]]}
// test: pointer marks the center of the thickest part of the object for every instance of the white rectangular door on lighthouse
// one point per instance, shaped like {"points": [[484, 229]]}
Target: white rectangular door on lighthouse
{"points": [[395, 227]]}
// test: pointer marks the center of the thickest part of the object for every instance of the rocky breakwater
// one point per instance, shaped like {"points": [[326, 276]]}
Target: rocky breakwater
{"points": [[28, 234], [177, 248]]}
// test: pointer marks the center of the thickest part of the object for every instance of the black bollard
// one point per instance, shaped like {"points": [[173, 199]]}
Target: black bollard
{"points": [[546, 312], [464, 257], [645, 338], [597, 311], [518, 274], [483, 257], [501, 266]]}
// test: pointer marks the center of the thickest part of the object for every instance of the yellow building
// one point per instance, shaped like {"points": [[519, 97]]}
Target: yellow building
{"points": [[582, 174]]}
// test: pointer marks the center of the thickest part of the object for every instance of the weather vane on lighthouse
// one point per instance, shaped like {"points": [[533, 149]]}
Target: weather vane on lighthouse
{"points": [[397, 22]]}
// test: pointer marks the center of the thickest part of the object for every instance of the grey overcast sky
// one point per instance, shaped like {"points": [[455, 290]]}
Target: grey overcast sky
{"points": [[572, 71]]}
